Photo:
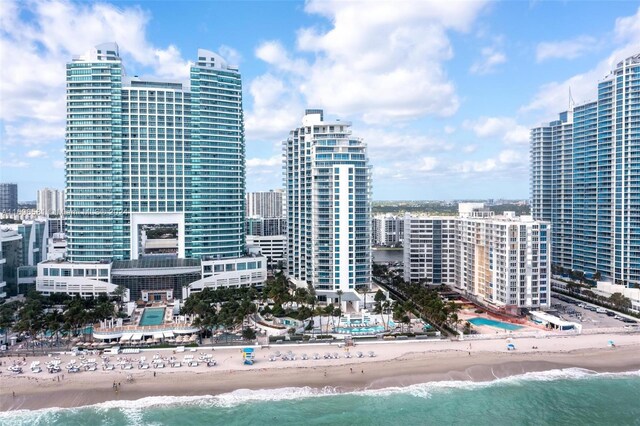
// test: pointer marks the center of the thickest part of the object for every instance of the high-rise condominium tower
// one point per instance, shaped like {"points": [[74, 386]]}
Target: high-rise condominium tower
{"points": [[50, 201], [328, 197], [8, 197], [141, 152], [265, 203], [584, 179]]}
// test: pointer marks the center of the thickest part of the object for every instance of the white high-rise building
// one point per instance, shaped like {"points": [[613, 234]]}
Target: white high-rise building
{"points": [[266, 204], [328, 197], [429, 249], [50, 201], [388, 230], [499, 261]]}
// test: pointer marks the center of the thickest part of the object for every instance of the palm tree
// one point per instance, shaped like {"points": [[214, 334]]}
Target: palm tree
{"points": [[330, 310], [319, 312], [363, 291]]}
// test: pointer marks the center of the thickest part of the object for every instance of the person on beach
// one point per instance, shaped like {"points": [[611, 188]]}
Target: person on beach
{"points": [[351, 370]]}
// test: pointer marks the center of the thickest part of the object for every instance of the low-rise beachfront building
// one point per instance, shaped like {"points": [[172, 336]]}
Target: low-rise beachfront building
{"points": [[606, 289], [271, 247], [229, 273], [502, 262], [154, 278], [76, 279]]}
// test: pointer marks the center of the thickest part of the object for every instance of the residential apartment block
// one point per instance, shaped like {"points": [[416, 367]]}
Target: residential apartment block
{"points": [[499, 261], [387, 230], [584, 179], [328, 203]]}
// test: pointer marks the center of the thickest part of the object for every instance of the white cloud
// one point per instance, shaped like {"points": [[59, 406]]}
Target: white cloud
{"points": [[507, 162], [13, 163], [449, 129], [37, 48], [553, 97], [504, 128], [276, 160], [231, 55], [468, 149], [491, 58], [627, 28], [380, 61], [28, 133], [36, 153], [566, 49], [414, 169], [276, 108], [384, 145]]}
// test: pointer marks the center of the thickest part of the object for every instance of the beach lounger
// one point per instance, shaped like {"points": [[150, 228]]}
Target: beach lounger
{"points": [[359, 354]]}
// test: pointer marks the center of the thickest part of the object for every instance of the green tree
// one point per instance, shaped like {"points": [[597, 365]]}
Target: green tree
{"points": [[620, 301]]}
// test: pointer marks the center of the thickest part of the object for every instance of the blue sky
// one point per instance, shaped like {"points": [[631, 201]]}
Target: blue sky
{"points": [[444, 93]]}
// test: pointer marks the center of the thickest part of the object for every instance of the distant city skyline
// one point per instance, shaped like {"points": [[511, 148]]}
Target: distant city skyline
{"points": [[443, 93]]}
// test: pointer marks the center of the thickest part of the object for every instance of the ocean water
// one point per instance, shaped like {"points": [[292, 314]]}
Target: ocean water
{"points": [[558, 397]]}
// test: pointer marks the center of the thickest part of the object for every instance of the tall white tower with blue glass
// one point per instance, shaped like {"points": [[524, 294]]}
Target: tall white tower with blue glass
{"points": [[327, 181], [142, 152]]}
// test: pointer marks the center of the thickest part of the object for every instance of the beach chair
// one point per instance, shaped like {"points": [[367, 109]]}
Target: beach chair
{"points": [[372, 354], [316, 356], [359, 354]]}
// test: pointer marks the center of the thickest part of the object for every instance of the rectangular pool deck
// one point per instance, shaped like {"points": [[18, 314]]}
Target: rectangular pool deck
{"points": [[152, 316]]}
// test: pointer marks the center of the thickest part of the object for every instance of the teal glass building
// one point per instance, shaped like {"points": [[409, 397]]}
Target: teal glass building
{"points": [[585, 178], [143, 152]]}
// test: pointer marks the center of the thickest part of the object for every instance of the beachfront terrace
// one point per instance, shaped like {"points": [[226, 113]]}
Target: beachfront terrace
{"points": [[109, 333]]}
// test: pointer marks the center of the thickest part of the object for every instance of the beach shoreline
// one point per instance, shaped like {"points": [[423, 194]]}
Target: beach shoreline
{"points": [[395, 365]]}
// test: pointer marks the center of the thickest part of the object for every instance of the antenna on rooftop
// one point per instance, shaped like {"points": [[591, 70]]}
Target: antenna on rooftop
{"points": [[571, 102]]}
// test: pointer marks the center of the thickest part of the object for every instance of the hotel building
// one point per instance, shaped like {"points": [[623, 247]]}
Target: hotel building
{"points": [[142, 153]]}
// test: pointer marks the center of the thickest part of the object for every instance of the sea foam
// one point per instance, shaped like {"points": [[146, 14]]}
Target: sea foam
{"points": [[133, 409]]}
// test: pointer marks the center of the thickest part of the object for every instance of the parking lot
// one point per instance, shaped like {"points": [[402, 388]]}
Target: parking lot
{"points": [[588, 318]]}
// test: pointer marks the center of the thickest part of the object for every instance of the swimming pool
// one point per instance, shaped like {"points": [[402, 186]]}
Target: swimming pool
{"points": [[152, 316], [494, 323]]}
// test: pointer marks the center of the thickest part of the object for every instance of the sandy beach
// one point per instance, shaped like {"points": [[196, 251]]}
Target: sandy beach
{"points": [[395, 364]]}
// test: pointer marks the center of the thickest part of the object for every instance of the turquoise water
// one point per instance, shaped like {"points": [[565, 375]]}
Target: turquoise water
{"points": [[557, 397], [152, 316], [493, 323]]}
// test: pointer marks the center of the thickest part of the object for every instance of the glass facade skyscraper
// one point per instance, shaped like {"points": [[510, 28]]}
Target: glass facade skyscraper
{"points": [[142, 152], [585, 178], [327, 182]]}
